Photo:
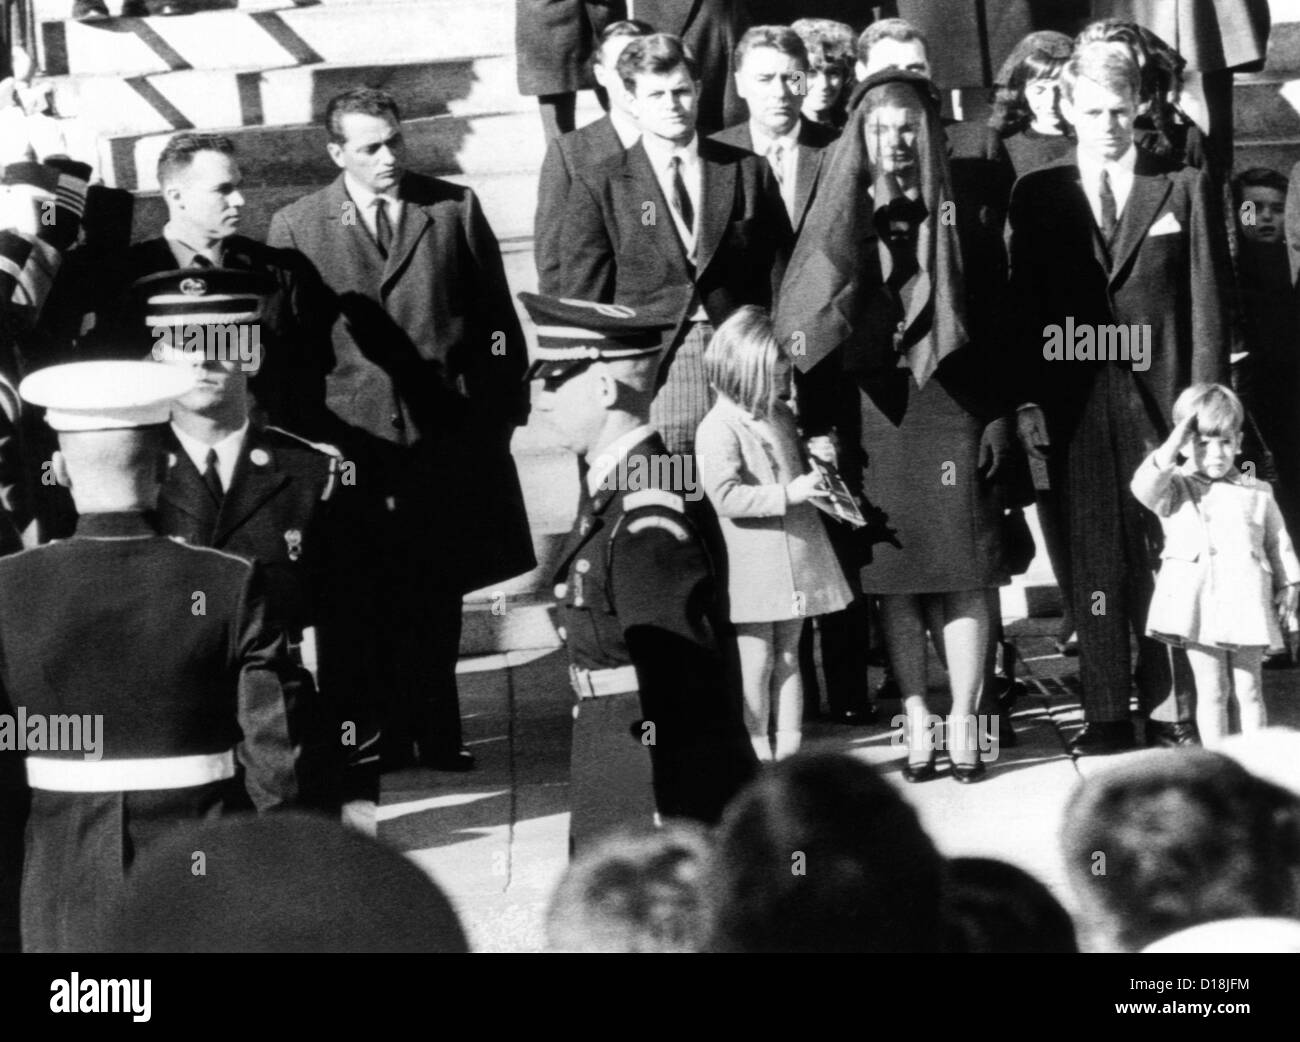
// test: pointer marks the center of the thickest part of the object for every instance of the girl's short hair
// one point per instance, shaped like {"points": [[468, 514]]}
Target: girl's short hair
{"points": [[1219, 412], [740, 360]]}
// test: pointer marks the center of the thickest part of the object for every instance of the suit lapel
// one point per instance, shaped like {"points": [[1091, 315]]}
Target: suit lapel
{"points": [[184, 490], [342, 218], [415, 221], [251, 485], [717, 194], [805, 180], [643, 184], [1144, 201], [1076, 198]]}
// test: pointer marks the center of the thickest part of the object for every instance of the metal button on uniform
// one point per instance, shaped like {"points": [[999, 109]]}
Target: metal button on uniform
{"points": [[561, 591], [583, 566]]}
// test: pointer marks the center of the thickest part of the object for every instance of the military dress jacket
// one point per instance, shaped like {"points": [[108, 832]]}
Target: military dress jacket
{"points": [[293, 507], [170, 649], [636, 587]]}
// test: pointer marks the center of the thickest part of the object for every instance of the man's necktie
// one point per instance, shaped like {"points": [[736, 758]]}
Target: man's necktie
{"points": [[681, 199], [212, 476], [1109, 217], [383, 229], [201, 261], [776, 159]]}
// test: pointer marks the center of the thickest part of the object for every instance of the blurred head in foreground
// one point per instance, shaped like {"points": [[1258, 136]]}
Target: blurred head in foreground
{"points": [[280, 883], [633, 891], [821, 854], [1171, 838], [991, 906]]}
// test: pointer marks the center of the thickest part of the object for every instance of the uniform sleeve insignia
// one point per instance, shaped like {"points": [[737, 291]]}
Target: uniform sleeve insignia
{"points": [[670, 526], [654, 497]]}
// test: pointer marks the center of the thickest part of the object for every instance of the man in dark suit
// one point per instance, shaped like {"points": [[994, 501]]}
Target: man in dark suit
{"points": [[292, 506], [423, 389], [153, 665], [677, 225], [1118, 272], [658, 724], [583, 149], [771, 69], [200, 180]]}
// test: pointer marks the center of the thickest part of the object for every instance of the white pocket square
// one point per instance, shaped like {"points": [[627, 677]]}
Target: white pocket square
{"points": [[1167, 225]]}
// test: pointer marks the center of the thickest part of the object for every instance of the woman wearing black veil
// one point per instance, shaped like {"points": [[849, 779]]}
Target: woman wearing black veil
{"points": [[889, 307]]}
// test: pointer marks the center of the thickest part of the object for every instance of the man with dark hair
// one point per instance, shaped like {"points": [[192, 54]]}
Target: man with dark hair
{"points": [[771, 74], [200, 179], [1111, 242], [678, 225], [709, 32], [583, 149], [423, 389], [892, 42], [1169, 839]]}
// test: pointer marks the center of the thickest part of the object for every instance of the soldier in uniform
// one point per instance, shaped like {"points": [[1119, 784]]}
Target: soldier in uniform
{"points": [[136, 671], [292, 505], [658, 722]]}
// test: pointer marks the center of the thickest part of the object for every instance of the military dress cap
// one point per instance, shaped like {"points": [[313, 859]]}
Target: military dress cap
{"points": [[102, 396], [572, 333], [200, 296]]}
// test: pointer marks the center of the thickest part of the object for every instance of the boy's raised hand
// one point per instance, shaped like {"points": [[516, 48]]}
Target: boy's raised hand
{"points": [[1180, 437]]}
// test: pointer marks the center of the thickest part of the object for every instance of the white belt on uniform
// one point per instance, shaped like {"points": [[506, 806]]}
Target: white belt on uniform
{"points": [[600, 683], [163, 772]]}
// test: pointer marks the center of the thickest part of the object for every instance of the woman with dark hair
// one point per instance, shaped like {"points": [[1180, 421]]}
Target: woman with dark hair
{"points": [[1026, 113], [821, 854], [832, 49], [891, 307]]}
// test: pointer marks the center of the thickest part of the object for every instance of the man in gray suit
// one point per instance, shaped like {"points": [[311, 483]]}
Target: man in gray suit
{"points": [[423, 388]]}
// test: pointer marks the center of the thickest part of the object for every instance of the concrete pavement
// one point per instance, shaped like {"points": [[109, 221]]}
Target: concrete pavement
{"points": [[496, 839]]}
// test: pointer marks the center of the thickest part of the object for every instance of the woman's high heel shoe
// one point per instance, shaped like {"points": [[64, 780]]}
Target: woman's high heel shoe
{"points": [[919, 772], [968, 772]]}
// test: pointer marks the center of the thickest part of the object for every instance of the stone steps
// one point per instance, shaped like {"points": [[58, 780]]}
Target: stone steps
{"points": [[410, 30], [199, 99], [475, 146]]}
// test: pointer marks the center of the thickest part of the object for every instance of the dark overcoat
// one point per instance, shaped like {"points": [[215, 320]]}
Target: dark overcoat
{"points": [[423, 372]]}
